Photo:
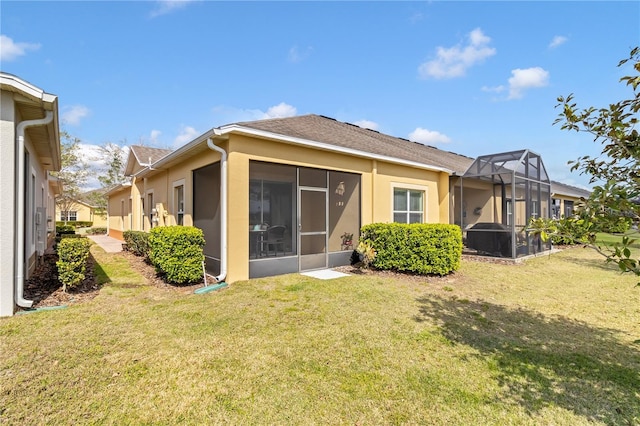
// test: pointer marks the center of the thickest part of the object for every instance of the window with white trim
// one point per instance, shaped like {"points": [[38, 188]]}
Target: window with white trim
{"points": [[178, 199], [68, 216], [408, 205]]}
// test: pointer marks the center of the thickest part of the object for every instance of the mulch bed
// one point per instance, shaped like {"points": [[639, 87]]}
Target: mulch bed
{"points": [[44, 288]]}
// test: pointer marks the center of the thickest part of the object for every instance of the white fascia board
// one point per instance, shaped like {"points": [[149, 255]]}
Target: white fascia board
{"points": [[10, 81], [234, 128], [158, 165]]}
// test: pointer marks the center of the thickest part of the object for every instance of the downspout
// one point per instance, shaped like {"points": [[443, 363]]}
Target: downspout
{"points": [[20, 211], [223, 206]]}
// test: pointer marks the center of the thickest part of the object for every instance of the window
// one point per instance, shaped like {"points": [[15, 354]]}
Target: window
{"points": [[68, 216], [178, 197], [151, 209], [568, 208], [509, 208], [408, 205]]}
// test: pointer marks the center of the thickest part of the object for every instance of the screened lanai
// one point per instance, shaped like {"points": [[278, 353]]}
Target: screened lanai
{"points": [[499, 194]]}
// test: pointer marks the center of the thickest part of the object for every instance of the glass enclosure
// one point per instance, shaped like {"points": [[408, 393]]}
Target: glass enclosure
{"points": [[499, 194], [300, 218]]}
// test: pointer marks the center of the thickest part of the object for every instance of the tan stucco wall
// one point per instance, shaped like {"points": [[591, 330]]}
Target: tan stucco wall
{"points": [[377, 182], [84, 213], [116, 217]]}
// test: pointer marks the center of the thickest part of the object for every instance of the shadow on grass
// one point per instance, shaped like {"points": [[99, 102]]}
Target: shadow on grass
{"points": [[545, 361], [599, 263]]}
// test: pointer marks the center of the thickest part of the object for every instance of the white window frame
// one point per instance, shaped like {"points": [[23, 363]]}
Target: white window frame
{"points": [[410, 187], [65, 216], [178, 211], [151, 207]]}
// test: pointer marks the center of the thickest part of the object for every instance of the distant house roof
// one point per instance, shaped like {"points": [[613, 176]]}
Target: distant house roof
{"points": [[349, 136], [558, 188], [141, 156]]}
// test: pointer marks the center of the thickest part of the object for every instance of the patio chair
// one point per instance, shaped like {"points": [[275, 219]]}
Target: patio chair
{"points": [[274, 240]]}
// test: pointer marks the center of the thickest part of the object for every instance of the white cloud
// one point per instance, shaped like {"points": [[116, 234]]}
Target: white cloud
{"points": [[187, 134], [496, 89], [226, 114], [428, 137], [557, 41], [72, 115], [164, 7], [367, 124], [10, 50], [523, 79], [154, 135], [281, 110], [454, 61], [298, 55]]}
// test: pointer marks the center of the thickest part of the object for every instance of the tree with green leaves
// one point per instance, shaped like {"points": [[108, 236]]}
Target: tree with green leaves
{"points": [[112, 155], [614, 203], [73, 173]]}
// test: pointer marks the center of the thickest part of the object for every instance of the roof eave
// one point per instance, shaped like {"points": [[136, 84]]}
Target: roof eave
{"points": [[235, 128]]}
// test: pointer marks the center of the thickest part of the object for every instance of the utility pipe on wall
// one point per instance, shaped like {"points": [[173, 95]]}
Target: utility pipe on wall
{"points": [[223, 206], [20, 211]]}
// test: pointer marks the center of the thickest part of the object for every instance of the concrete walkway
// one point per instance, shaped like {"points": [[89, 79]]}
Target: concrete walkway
{"points": [[109, 244]]}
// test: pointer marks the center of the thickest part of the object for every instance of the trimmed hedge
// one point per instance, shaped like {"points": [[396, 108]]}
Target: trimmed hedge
{"points": [[76, 223], [72, 261], [137, 242], [418, 248], [97, 231], [65, 229], [177, 253]]}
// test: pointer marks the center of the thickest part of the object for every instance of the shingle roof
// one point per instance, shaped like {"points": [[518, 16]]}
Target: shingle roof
{"points": [[147, 154], [571, 191], [327, 130], [141, 155]]}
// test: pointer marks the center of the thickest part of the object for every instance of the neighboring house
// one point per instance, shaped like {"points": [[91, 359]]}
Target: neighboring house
{"points": [[565, 199], [81, 211], [30, 149], [122, 213], [278, 196]]}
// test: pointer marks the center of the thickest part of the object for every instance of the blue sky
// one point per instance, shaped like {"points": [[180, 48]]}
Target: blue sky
{"points": [[470, 77]]}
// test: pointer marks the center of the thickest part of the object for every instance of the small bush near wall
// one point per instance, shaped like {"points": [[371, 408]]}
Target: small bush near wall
{"points": [[137, 242], [416, 248], [177, 253], [72, 261]]}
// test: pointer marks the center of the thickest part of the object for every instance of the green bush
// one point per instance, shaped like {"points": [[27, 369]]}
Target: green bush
{"points": [[416, 248], [66, 236], [137, 242], [72, 261], [616, 225], [571, 230], [177, 253], [76, 224], [97, 231], [65, 229]]}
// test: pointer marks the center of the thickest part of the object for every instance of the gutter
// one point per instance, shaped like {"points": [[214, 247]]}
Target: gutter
{"points": [[20, 210], [223, 205]]}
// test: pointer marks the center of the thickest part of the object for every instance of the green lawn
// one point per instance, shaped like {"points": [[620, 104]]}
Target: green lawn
{"points": [[553, 341]]}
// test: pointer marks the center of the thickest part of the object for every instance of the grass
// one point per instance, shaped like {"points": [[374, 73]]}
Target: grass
{"points": [[611, 239], [555, 340]]}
